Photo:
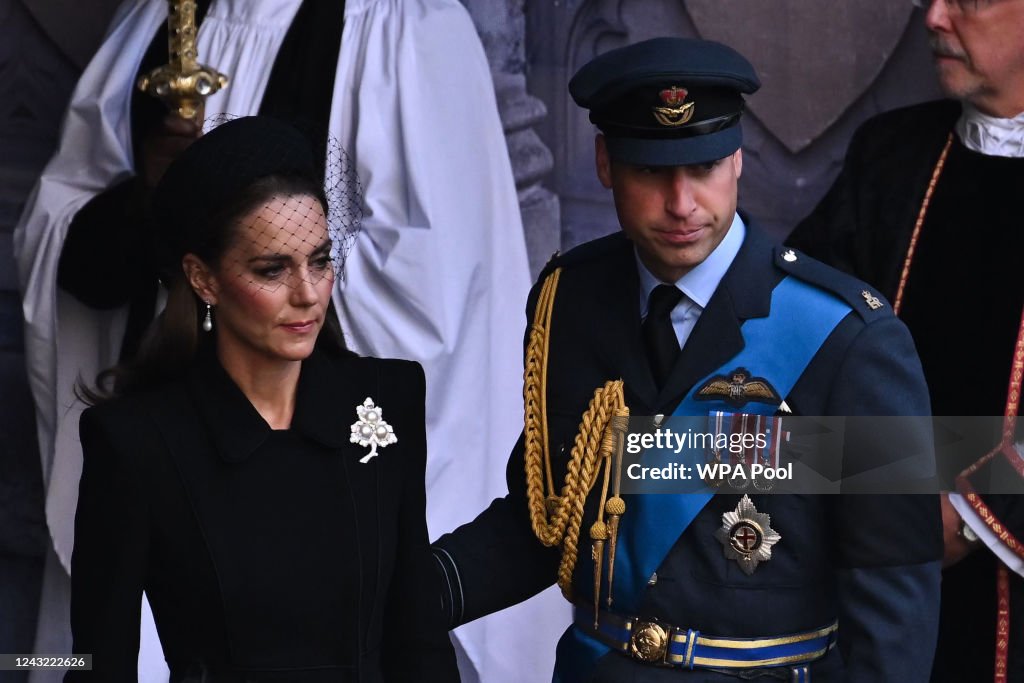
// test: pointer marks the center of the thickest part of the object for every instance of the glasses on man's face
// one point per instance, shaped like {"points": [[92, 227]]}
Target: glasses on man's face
{"points": [[958, 6]]}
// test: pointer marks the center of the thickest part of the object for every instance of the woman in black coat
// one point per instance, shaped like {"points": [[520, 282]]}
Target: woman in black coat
{"points": [[262, 485]]}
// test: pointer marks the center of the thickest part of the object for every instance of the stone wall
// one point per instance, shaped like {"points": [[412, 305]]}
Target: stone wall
{"points": [[824, 67]]}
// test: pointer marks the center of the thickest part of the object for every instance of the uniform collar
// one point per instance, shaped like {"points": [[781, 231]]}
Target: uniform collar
{"points": [[752, 276], [700, 283], [236, 427], [744, 292], [990, 135]]}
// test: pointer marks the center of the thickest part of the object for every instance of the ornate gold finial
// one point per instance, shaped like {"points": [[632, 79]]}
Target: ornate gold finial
{"points": [[598, 535], [183, 84], [615, 506]]}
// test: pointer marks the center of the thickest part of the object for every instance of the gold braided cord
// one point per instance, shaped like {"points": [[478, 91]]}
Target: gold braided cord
{"points": [[556, 519], [535, 417], [584, 466], [552, 285]]}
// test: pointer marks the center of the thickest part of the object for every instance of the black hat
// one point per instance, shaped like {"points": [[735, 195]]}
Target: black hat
{"points": [[667, 101], [211, 172]]}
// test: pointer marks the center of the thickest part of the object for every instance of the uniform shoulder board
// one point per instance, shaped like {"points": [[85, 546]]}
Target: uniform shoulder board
{"points": [[583, 253], [867, 301], [553, 262]]}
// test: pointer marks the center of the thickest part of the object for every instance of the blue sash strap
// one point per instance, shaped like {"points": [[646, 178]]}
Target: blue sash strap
{"points": [[778, 348]]}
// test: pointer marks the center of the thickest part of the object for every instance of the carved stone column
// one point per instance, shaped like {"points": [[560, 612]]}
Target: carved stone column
{"points": [[501, 25]]}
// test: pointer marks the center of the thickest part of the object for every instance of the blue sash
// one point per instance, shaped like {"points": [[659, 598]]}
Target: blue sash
{"points": [[778, 348]]}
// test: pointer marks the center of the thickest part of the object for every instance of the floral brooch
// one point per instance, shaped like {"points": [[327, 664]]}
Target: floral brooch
{"points": [[371, 429]]}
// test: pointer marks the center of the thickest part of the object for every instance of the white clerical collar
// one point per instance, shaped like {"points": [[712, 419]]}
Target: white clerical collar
{"points": [[989, 135], [702, 281]]}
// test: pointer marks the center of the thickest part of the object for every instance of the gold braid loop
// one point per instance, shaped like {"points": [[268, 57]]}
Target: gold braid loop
{"points": [[556, 519], [584, 465]]}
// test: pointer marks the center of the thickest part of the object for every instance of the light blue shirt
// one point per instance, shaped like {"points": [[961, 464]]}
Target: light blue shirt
{"points": [[697, 285]]}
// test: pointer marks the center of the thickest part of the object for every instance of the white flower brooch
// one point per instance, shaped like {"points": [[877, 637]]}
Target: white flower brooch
{"points": [[371, 429]]}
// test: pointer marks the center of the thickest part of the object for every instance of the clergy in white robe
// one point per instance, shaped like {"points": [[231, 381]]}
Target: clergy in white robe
{"points": [[438, 274]]}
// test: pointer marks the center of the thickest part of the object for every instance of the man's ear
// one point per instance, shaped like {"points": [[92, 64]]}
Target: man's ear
{"points": [[737, 162], [602, 161], [200, 278]]}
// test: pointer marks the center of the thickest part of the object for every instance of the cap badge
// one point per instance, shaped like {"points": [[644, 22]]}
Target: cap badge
{"points": [[746, 536], [371, 429], [738, 388], [676, 112]]}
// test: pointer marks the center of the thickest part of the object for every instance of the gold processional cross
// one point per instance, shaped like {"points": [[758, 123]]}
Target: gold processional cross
{"points": [[183, 84]]}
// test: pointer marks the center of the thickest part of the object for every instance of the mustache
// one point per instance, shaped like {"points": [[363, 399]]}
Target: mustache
{"points": [[942, 48]]}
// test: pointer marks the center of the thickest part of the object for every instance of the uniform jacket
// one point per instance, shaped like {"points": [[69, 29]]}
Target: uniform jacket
{"points": [[266, 555], [867, 560]]}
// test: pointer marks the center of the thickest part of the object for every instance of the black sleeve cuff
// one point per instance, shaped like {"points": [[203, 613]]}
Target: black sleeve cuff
{"points": [[450, 587], [108, 252]]}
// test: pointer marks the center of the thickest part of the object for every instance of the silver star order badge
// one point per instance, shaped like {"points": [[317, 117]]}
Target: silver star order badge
{"points": [[746, 536], [371, 429]]}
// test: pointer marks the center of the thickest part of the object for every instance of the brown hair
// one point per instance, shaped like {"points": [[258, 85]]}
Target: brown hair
{"points": [[172, 342]]}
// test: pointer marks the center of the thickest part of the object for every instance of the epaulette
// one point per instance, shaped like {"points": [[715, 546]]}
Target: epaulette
{"points": [[588, 251], [867, 301]]}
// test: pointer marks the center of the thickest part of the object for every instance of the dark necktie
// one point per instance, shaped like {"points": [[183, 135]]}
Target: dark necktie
{"points": [[659, 337]]}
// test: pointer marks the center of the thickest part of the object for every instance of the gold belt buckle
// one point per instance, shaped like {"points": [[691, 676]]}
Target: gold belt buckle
{"points": [[649, 642]]}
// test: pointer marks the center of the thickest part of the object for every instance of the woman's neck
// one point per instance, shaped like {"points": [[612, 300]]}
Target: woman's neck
{"points": [[269, 384]]}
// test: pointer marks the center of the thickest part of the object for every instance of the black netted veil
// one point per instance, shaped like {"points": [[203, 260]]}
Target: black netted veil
{"points": [[256, 166]]}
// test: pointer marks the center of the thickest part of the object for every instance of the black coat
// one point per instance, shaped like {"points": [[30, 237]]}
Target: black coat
{"points": [[963, 305], [266, 555], [840, 556]]}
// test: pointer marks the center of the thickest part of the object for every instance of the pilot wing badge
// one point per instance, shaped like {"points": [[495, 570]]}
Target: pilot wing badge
{"points": [[738, 389]]}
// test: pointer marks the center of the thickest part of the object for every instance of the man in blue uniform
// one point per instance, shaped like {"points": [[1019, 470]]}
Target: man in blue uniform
{"points": [[706, 587]]}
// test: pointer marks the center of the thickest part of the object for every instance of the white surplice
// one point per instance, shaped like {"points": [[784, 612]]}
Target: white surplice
{"points": [[438, 274]]}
